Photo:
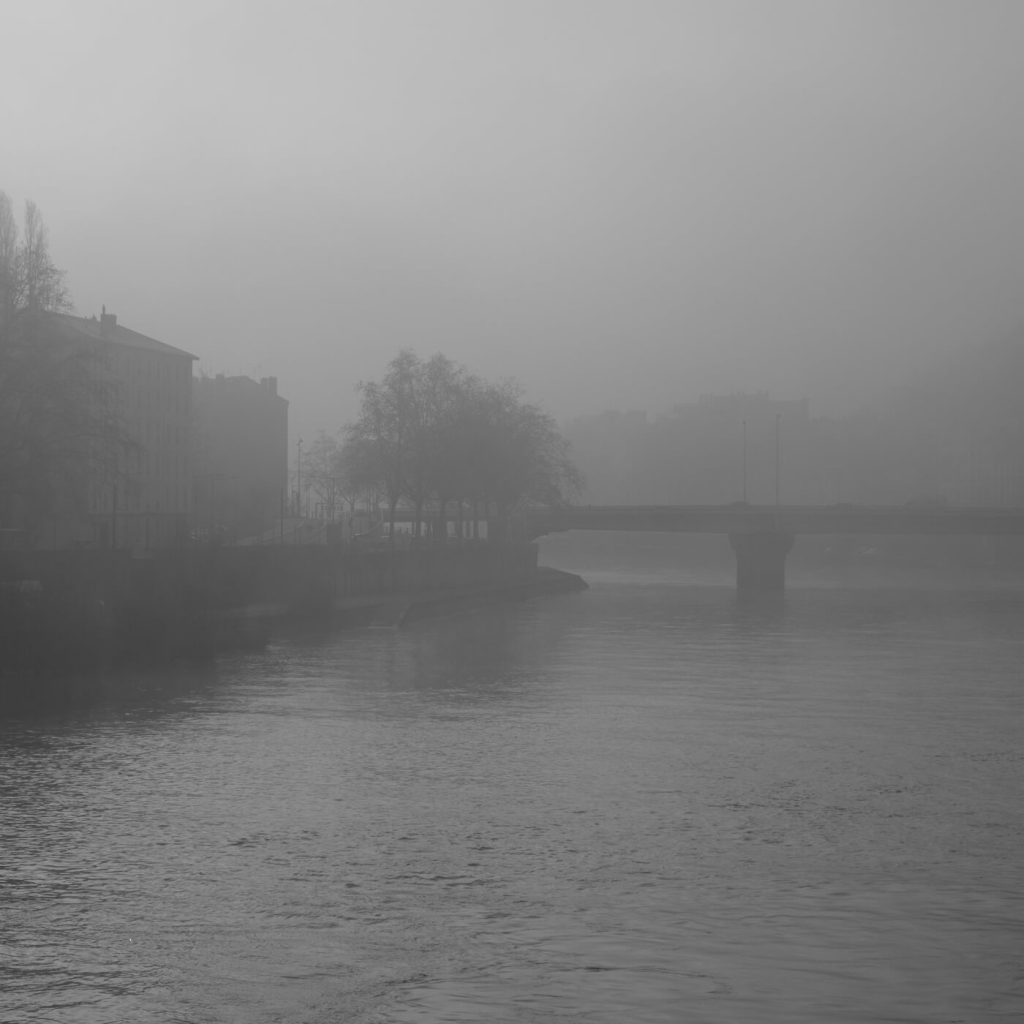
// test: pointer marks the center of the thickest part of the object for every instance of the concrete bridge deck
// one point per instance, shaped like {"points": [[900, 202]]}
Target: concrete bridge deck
{"points": [[786, 519], [762, 535]]}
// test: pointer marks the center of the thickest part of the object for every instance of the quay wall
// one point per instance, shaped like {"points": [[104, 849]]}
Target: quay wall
{"points": [[92, 607], [315, 577]]}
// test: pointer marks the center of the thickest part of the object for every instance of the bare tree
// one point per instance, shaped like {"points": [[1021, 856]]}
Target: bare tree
{"points": [[434, 432], [521, 457], [10, 287], [383, 437], [358, 478], [319, 471]]}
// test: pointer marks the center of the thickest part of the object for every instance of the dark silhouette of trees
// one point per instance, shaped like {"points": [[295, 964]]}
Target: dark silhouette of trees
{"points": [[29, 282], [436, 436], [379, 443], [320, 472], [336, 475]]}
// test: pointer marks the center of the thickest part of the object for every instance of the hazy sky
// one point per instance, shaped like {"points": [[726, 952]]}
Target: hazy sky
{"points": [[622, 204]]}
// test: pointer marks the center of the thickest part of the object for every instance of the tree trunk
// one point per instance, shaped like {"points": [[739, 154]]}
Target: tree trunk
{"points": [[416, 531], [442, 521], [497, 524], [392, 505]]}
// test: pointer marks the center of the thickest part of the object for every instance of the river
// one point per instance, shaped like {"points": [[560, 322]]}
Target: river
{"points": [[651, 801]]}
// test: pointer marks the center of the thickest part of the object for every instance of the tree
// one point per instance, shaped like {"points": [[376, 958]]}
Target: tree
{"points": [[433, 432], [29, 282], [320, 470], [520, 457], [359, 480], [455, 422], [58, 423], [381, 439]]}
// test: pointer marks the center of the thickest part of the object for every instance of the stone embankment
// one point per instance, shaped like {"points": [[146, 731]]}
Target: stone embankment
{"points": [[91, 608], [405, 608]]}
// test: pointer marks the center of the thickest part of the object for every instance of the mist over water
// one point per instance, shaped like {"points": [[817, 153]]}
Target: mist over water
{"points": [[651, 801], [741, 253]]}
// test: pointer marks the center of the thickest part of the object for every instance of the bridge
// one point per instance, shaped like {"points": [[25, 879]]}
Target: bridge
{"points": [[762, 535]]}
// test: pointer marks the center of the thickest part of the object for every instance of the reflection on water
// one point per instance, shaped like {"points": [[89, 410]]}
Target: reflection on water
{"points": [[651, 801]]}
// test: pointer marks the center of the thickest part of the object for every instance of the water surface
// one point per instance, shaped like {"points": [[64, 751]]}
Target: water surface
{"points": [[648, 802]]}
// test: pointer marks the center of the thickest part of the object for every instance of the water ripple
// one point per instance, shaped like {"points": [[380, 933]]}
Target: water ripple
{"points": [[647, 802]]}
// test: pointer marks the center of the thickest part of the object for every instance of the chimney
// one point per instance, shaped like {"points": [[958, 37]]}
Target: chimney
{"points": [[108, 321]]}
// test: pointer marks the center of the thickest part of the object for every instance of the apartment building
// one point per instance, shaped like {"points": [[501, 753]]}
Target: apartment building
{"points": [[139, 487]]}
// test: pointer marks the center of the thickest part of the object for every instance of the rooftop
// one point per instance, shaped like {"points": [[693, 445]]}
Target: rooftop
{"points": [[221, 382], [106, 328]]}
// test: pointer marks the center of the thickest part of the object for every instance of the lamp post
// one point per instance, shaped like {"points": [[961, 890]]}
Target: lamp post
{"points": [[778, 454], [744, 462], [298, 481]]}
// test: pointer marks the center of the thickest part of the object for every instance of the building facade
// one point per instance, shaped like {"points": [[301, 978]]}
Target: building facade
{"points": [[138, 493], [241, 456]]}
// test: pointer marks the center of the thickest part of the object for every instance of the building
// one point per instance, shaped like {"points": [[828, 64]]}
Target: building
{"points": [[138, 493], [745, 446], [241, 456]]}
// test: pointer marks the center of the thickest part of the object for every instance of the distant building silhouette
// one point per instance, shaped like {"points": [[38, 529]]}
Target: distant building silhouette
{"points": [[715, 450], [772, 436], [241, 455]]}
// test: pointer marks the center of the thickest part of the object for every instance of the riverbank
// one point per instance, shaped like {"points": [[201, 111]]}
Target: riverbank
{"points": [[407, 608], [46, 671], [94, 610], [253, 625]]}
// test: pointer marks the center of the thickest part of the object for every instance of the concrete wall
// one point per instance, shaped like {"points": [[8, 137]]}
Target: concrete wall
{"points": [[315, 575], [89, 607]]}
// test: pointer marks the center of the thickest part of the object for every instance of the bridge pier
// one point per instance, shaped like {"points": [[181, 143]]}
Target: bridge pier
{"points": [[761, 560]]}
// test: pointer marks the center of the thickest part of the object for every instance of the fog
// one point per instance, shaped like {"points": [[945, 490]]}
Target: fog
{"points": [[621, 204]]}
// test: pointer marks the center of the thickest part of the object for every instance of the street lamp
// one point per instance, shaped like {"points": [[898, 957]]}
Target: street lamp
{"points": [[778, 454], [298, 481], [744, 462]]}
